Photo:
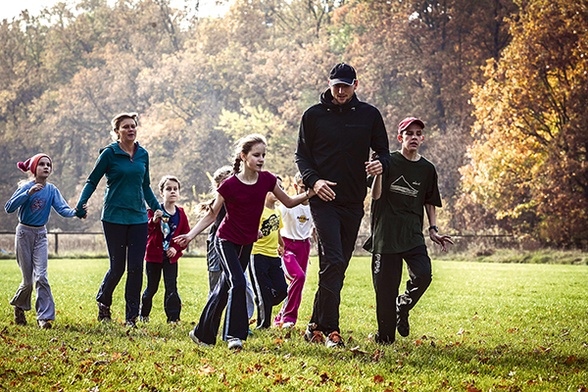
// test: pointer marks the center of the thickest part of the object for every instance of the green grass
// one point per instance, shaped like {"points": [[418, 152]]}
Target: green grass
{"points": [[480, 327]]}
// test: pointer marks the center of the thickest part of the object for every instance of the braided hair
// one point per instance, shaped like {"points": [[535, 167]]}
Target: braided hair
{"points": [[244, 145]]}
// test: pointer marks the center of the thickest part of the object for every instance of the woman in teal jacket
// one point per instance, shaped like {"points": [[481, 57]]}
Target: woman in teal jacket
{"points": [[124, 215]]}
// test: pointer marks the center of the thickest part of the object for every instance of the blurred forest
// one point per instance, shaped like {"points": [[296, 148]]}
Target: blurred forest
{"points": [[501, 84]]}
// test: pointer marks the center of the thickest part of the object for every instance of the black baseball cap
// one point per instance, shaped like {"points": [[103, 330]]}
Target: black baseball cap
{"points": [[342, 73]]}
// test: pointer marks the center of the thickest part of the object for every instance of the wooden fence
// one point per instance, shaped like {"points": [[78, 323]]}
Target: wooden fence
{"points": [[73, 242]]}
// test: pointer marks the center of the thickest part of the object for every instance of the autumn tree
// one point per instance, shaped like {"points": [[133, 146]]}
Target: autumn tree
{"points": [[420, 58], [528, 163]]}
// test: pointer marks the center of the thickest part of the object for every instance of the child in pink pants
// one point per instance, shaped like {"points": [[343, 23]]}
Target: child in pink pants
{"points": [[296, 233]]}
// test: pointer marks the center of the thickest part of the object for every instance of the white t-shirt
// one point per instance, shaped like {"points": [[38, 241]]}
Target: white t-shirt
{"points": [[297, 222]]}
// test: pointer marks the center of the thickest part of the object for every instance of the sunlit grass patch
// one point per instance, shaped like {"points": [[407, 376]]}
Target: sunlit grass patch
{"points": [[480, 326]]}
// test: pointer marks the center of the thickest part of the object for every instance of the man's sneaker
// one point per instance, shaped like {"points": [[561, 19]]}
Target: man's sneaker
{"points": [[44, 324], [103, 312], [19, 316], [288, 325], [196, 340], [144, 319], [402, 323], [312, 335], [334, 340], [235, 344]]}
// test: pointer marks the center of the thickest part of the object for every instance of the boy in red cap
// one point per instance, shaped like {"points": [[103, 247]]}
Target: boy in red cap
{"points": [[399, 194], [34, 199]]}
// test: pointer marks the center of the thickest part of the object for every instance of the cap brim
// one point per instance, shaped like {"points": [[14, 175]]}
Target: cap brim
{"points": [[348, 82]]}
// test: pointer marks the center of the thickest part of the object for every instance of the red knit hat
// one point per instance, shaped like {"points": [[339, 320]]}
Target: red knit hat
{"points": [[31, 163]]}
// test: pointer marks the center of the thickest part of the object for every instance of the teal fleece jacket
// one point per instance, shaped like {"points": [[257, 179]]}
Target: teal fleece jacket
{"points": [[127, 185]]}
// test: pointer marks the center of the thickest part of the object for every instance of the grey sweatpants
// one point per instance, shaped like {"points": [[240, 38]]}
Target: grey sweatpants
{"points": [[31, 256]]}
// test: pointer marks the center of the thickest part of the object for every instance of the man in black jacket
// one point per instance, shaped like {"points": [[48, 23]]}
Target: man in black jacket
{"points": [[333, 153]]}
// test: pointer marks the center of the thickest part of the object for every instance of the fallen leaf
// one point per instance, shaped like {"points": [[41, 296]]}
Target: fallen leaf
{"points": [[355, 350], [378, 354], [472, 388], [280, 380], [206, 370], [378, 379]]}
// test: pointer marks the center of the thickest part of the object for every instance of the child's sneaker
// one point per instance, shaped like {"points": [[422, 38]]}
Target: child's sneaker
{"points": [[19, 316], [288, 325], [103, 312], [312, 335], [44, 324], [196, 340], [131, 323], [144, 319], [334, 340], [235, 344]]}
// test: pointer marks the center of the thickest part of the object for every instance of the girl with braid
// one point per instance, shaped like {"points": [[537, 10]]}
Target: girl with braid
{"points": [[243, 196]]}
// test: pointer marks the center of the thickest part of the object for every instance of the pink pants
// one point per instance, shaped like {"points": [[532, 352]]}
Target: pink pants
{"points": [[294, 262]]}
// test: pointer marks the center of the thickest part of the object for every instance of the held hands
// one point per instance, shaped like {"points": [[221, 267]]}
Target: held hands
{"points": [[322, 188], [84, 210], [373, 168], [157, 216], [442, 240], [183, 240]]}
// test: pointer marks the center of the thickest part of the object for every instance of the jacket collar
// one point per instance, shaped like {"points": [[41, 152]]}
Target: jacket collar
{"points": [[327, 101]]}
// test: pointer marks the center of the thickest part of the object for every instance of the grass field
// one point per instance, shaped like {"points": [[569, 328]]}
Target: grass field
{"points": [[480, 327]]}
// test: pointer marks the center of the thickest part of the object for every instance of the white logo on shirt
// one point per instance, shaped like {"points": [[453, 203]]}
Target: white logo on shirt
{"points": [[400, 185]]}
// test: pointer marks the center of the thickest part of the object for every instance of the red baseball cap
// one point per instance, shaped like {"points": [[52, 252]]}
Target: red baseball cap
{"points": [[406, 123]]}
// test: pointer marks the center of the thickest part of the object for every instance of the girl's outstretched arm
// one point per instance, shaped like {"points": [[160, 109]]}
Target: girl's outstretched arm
{"points": [[291, 201], [184, 239]]}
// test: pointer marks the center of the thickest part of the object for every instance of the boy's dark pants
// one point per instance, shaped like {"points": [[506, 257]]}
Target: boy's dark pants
{"points": [[172, 302], [386, 274]]}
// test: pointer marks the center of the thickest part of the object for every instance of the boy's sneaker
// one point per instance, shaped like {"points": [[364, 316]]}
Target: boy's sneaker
{"points": [[312, 335], [196, 340], [103, 312], [288, 325], [334, 340], [402, 323], [44, 324], [235, 344], [144, 319], [19, 316]]}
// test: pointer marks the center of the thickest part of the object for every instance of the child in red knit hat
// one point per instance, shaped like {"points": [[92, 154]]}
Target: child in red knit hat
{"points": [[34, 199]]}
